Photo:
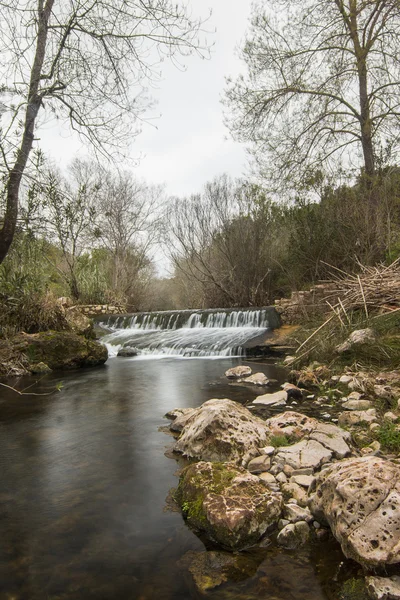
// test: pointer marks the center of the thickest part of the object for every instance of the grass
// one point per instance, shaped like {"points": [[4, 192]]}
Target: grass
{"points": [[279, 440], [389, 437], [385, 353]]}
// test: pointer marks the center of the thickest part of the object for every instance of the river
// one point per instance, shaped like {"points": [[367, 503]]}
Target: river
{"points": [[84, 482]]}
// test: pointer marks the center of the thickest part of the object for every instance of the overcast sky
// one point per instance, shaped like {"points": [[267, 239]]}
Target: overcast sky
{"points": [[189, 144]]}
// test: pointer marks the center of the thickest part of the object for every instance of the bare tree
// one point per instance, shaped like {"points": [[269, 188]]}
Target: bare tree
{"points": [[127, 225], [323, 77], [85, 62]]}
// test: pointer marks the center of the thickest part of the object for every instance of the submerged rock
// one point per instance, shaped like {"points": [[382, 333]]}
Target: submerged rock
{"points": [[222, 431], [233, 507], [360, 500], [237, 372], [127, 352]]}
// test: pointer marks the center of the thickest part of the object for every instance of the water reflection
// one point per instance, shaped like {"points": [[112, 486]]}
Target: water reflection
{"points": [[83, 486]]}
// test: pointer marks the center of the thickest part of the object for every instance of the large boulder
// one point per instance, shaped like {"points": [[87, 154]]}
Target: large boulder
{"points": [[222, 431], [360, 500], [233, 507], [59, 349]]}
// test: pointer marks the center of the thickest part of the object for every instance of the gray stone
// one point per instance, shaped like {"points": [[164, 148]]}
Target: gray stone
{"points": [[237, 372], [303, 480], [259, 464], [356, 417], [294, 535], [257, 379], [278, 398], [306, 453], [268, 450], [293, 513], [357, 404]]}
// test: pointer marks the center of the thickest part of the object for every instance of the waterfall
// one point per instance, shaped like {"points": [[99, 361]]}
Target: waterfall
{"points": [[197, 333]]}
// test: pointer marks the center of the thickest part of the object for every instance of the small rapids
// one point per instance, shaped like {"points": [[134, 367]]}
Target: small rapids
{"points": [[212, 333]]}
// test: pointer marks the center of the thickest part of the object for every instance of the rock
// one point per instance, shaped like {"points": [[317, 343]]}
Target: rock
{"points": [[59, 349], [390, 416], [224, 431], [291, 424], [294, 513], [127, 352], [292, 391], [257, 379], [374, 427], [359, 337], [383, 391], [303, 480], [360, 500], [278, 398], [39, 369], [78, 322], [268, 450], [237, 372], [259, 464], [208, 570], [346, 379], [383, 588], [233, 507], [347, 419], [281, 477], [333, 438], [295, 492], [288, 470], [357, 404], [306, 453], [354, 396], [180, 420], [268, 478], [294, 535], [282, 523]]}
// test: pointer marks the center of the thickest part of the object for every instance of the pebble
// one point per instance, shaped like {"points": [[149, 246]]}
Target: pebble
{"points": [[316, 525]]}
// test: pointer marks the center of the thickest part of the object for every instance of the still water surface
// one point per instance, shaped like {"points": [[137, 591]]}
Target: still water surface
{"points": [[83, 484]]}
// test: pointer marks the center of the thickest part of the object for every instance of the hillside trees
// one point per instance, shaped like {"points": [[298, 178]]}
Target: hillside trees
{"points": [[322, 87], [83, 62]]}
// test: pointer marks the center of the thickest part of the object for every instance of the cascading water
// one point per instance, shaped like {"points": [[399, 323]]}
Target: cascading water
{"points": [[200, 333]]}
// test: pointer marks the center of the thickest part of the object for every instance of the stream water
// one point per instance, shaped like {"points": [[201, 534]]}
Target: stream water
{"points": [[84, 482]]}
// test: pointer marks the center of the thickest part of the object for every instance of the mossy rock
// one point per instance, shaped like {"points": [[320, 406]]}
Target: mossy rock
{"points": [[59, 349], [233, 507]]}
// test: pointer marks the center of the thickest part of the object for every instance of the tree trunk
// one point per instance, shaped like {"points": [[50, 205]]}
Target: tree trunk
{"points": [[33, 105]]}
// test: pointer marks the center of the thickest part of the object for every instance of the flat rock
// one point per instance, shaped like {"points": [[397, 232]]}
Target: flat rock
{"points": [[303, 480], [357, 404], [268, 478], [292, 424], [383, 588], [360, 500], [306, 453], [333, 438], [257, 379], [356, 417], [278, 398], [259, 464], [237, 372], [221, 430], [233, 507]]}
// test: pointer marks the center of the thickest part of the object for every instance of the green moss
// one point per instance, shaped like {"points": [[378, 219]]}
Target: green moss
{"points": [[354, 589]]}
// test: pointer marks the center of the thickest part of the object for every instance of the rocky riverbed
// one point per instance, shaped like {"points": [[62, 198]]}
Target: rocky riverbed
{"points": [[294, 467]]}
